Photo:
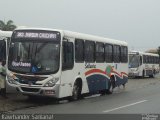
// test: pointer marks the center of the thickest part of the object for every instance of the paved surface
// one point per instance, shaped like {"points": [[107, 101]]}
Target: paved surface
{"points": [[139, 96]]}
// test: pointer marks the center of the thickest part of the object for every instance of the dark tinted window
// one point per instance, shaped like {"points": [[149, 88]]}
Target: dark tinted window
{"points": [[144, 59], [79, 50], [116, 53], [124, 54], [108, 53], [99, 52], [2, 50], [89, 51], [152, 57], [157, 60], [147, 59]]}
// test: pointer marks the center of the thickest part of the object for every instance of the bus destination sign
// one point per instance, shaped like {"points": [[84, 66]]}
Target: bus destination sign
{"points": [[37, 35]]}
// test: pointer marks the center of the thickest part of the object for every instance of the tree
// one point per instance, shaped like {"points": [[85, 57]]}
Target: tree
{"points": [[8, 26]]}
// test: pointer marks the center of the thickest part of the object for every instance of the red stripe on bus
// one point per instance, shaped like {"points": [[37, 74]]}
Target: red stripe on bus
{"points": [[120, 74], [95, 70]]}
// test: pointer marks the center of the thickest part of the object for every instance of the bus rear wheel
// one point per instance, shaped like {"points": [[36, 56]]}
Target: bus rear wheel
{"points": [[153, 74], [143, 74]]}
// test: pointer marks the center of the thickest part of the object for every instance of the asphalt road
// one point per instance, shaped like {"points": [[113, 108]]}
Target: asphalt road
{"points": [[140, 96]]}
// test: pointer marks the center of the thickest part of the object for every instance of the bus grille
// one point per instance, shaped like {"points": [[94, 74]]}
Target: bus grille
{"points": [[30, 89], [29, 79]]}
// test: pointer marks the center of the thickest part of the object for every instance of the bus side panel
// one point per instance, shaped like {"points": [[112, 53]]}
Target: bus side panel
{"points": [[65, 85], [121, 73], [93, 79], [97, 82], [68, 78], [99, 77]]}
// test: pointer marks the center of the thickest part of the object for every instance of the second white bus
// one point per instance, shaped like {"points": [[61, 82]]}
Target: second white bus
{"points": [[61, 63], [143, 64]]}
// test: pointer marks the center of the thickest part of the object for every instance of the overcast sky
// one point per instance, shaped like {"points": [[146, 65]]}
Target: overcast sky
{"points": [[134, 21]]}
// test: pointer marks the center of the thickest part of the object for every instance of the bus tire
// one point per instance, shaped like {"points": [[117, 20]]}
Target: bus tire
{"points": [[143, 74], [76, 93], [153, 74], [124, 85]]}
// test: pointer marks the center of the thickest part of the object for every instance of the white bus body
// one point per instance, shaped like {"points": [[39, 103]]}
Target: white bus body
{"points": [[143, 64], [4, 41], [76, 64]]}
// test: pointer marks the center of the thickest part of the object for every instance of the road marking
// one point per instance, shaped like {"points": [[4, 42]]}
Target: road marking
{"points": [[106, 111]]}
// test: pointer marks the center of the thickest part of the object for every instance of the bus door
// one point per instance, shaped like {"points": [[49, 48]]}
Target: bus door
{"points": [[3, 52], [67, 75]]}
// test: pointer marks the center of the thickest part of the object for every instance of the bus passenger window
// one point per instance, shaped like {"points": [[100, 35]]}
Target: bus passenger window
{"points": [[99, 52], [108, 53], [124, 54], [116, 54], [89, 51], [79, 50]]}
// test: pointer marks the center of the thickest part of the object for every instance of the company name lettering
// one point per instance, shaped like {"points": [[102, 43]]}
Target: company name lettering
{"points": [[88, 65], [21, 64]]}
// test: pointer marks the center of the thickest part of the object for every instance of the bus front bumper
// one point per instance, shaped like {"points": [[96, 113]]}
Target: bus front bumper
{"points": [[40, 91], [133, 74]]}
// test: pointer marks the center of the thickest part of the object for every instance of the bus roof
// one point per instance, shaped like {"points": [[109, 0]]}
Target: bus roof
{"points": [[143, 53], [77, 35], [4, 34], [93, 38]]}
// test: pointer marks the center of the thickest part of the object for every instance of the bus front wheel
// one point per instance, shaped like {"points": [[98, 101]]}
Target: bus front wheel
{"points": [[76, 93]]}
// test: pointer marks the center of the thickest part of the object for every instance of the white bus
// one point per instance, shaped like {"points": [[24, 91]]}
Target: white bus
{"points": [[61, 63], [4, 42], [143, 64]]}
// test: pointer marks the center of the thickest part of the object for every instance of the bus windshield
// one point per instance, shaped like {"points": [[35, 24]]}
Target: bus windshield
{"points": [[134, 61], [34, 57]]}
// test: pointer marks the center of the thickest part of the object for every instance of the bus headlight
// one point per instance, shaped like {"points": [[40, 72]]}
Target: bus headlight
{"points": [[11, 80], [51, 83]]}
